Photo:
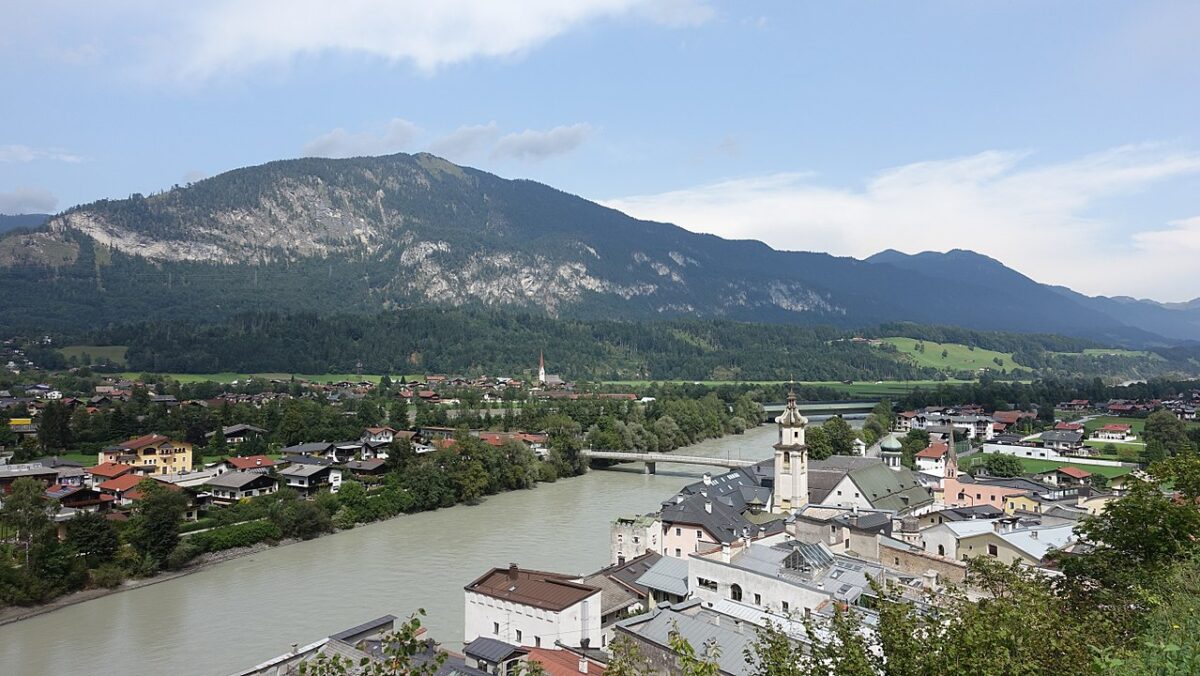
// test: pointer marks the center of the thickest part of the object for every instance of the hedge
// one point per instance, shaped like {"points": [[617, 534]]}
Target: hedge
{"points": [[237, 535]]}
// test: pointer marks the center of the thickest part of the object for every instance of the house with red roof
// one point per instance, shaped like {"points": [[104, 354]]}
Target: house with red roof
{"points": [[1067, 475], [120, 487], [1114, 432], [105, 471], [932, 458], [249, 463]]}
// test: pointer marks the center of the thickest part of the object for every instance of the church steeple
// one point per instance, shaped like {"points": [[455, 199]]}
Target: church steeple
{"points": [[791, 458], [541, 368]]}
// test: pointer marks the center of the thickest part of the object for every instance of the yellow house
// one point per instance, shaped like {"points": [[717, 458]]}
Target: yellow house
{"points": [[1023, 502], [152, 454]]}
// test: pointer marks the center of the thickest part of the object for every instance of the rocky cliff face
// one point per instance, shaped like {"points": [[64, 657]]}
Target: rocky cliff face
{"points": [[403, 230]]}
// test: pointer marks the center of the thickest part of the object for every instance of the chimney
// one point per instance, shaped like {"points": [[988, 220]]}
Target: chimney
{"points": [[707, 479], [1033, 534], [512, 571], [583, 664], [708, 506], [725, 553]]}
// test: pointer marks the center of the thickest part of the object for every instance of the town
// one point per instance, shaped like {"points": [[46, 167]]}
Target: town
{"points": [[827, 523]]}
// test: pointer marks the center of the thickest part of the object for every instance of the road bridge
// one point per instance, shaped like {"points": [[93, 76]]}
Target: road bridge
{"points": [[652, 459]]}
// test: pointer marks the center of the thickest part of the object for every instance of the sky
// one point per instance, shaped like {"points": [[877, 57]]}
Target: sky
{"points": [[1061, 138]]}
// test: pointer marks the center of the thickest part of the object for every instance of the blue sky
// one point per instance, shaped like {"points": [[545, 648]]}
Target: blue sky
{"points": [[1058, 137]]}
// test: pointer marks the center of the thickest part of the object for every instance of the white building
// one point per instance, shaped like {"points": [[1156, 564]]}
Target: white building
{"points": [[780, 575], [791, 459], [532, 608]]}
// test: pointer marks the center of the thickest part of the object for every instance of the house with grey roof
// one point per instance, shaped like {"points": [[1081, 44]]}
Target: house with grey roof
{"points": [[666, 581], [846, 481], [308, 478], [230, 487]]}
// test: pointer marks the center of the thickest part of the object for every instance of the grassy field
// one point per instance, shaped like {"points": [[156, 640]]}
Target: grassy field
{"points": [[958, 357], [1035, 466], [866, 389], [113, 353]]}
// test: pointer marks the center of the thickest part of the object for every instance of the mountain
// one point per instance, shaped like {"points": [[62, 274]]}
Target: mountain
{"points": [[386, 233], [14, 221]]}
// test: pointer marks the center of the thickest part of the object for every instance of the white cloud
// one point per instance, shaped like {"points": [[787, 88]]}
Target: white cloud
{"points": [[533, 145], [25, 200], [24, 153], [465, 142], [230, 35], [1039, 219], [396, 136]]}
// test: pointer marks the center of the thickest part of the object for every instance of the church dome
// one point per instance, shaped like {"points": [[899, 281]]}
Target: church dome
{"points": [[890, 443]]}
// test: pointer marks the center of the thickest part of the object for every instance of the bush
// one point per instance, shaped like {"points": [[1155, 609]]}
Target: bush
{"points": [[238, 535], [183, 553], [109, 575]]}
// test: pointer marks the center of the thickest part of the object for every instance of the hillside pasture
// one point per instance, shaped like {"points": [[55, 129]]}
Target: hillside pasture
{"points": [[958, 357], [98, 353]]}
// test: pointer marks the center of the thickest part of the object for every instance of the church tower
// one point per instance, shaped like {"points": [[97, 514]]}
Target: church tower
{"points": [[791, 459], [541, 368]]}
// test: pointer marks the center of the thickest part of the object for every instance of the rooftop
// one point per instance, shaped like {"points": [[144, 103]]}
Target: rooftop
{"points": [[540, 589]]}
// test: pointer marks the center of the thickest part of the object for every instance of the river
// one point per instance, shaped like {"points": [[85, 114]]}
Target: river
{"points": [[242, 612]]}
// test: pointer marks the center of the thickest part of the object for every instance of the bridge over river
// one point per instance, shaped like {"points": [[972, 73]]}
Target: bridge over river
{"points": [[652, 459], [846, 409]]}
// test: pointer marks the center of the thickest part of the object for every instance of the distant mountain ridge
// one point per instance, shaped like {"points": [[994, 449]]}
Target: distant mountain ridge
{"points": [[400, 231]]}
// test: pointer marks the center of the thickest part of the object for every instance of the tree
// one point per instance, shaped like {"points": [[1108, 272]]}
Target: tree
{"points": [[26, 513], [153, 530], [841, 436], [1002, 465], [93, 537], [472, 482], [1163, 427], [817, 440], [54, 427]]}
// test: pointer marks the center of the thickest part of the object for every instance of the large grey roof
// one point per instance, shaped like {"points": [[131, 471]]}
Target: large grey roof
{"points": [[723, 522], [234, 479], [310, 447], [668, 574], [303, 470], [1062, 436], [698, 626]]}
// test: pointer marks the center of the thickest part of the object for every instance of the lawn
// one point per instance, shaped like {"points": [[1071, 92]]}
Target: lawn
{"points": [[86, 459], [1036, 466], [113, 353], [958, 357]]}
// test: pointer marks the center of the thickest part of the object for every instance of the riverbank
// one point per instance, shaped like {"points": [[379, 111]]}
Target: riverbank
{"points": [[18, 613]]}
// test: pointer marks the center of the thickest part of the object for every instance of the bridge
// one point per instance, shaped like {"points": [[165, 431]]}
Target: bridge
{"points": [[652, 459], [824, 408]]}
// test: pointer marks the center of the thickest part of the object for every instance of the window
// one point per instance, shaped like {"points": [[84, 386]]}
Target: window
{"points": [[678, 553], [847, 546], [941, 550], [735, 592], [678, 532], [699, 535], [758, 599], [839, 492], [993, 550], [706, 583], [785, 606], [636, 539], [496, 628], [518, 636], [537, 641]]}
